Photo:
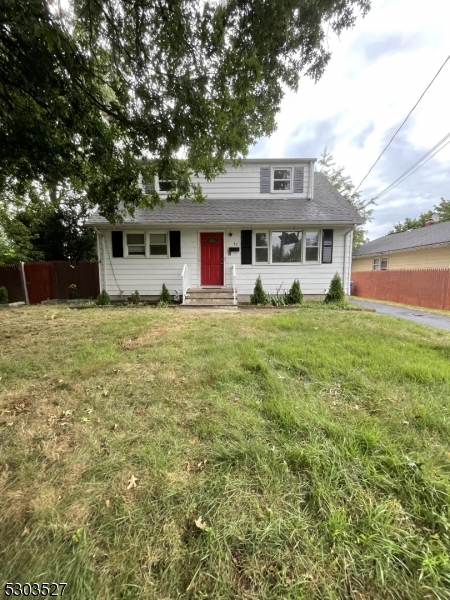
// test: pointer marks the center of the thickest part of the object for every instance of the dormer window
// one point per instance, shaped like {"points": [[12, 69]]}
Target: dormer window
{"points": [[163, 185], [281, 180]]}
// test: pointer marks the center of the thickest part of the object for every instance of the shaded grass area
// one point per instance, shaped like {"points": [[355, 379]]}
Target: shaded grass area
{"points": [[313, 445]]}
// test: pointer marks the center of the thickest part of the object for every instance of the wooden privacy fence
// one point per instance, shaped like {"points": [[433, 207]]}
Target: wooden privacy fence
{"points": [[50, 281], [418, 287]]}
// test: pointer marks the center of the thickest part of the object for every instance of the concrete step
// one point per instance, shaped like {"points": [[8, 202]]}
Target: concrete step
{"points": [[208, 300], [218, 295], [209, 306], [210, 290]]}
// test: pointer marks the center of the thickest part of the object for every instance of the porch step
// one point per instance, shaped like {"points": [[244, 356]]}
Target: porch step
{"points": [[209, 298], [209, 306]]}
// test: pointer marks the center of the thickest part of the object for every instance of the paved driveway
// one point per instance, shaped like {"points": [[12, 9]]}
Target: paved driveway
{"points": [[417, 316]]}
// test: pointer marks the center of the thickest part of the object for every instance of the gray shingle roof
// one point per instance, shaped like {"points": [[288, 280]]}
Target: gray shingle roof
{"points": [[327, 206], [415, 238]]}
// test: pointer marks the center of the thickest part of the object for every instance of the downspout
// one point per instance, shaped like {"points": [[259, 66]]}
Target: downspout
{"points": [[345, 283], [105, 287]]}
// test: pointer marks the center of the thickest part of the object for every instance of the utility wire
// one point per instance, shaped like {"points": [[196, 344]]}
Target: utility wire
{"points": [[409, 114], [419, 163]]}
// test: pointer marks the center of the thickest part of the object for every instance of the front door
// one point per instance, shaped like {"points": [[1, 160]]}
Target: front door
{"points": [[211, 245]]}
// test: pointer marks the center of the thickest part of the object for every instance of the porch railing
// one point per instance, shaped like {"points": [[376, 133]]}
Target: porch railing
{"points": [[233, 277], [186, 277]]}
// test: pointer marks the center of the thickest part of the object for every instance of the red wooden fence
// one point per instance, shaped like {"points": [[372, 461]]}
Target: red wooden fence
{"points": [[51, 280], [39, 281], [420, 287], [10, 278]]}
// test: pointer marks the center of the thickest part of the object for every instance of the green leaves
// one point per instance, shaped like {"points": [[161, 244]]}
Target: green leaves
{"points": [[93, 91]]}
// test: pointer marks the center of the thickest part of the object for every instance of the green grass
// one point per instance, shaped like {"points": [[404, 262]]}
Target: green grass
{"points": [[313, 444]]}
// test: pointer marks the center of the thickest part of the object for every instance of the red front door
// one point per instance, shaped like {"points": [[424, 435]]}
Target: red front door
{"points": [[211, 245]]}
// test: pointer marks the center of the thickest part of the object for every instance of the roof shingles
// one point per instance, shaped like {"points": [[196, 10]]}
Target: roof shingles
{"points": [[432, 235], [327, 206]]}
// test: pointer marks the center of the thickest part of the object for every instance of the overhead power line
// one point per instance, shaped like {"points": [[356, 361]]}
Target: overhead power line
{"points": [[407, 117], [413, 168]]}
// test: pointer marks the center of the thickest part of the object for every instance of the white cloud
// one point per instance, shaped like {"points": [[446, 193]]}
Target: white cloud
{"points": [[376, 74]]}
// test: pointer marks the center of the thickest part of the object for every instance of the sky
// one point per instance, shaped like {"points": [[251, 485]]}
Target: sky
{"points": [[376, 74]]}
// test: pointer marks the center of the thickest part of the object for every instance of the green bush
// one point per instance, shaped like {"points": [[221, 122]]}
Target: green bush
{"points": [[103, 298], [3, 295], [295, 295], [135, 298], [336, 291], [259, 296], [164, 297]]}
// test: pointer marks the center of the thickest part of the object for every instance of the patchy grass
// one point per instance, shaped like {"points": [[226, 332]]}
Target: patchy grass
{"points": [[313, 444]]}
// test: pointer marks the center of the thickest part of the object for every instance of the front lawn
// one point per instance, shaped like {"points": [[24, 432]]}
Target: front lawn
{"points": [[159, 454]]}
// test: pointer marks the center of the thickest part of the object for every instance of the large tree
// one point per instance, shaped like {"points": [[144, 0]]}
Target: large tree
{"points": [[46, 225], [344, 185], [109, 88], [442, 210]]}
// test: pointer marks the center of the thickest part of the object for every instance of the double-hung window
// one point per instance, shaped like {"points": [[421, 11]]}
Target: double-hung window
{"points": [[158, 244], [384, 264], [281, 179], [135, 244], [311, 246], [376, 264], [262, 247], [163, 185]]}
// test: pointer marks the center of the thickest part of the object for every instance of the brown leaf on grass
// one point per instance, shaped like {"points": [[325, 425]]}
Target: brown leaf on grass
{"points": [[132, 483], [199, 523]]}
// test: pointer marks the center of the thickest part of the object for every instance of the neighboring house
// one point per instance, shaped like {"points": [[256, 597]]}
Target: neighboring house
{"points": [[424, 248], [273, 217]]}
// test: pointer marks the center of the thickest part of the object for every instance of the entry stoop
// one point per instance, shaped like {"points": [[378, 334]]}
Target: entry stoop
{"points": [[209, 298]]}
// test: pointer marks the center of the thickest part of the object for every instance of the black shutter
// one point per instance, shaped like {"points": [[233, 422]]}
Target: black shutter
{"points": [[246, 247], [298, 179], [117, 244], [175, 244], [265, 180], [327, 246]]}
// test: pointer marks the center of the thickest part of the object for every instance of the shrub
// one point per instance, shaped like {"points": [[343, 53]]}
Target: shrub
{"points": [[135, 298], [336, 291], [164, 296], [3, 295], [259, 296], [295, 295], [103, 298]]}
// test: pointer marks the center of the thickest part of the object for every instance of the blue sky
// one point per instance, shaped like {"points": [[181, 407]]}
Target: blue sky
{"points": [[377, 72]]}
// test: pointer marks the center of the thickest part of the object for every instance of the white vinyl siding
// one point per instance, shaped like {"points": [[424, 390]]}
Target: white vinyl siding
{"points": [[244, 182], [148, 275]]}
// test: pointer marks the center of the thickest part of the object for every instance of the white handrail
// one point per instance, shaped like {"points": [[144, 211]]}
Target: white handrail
{"points": [[186, 277], [233, 274]]}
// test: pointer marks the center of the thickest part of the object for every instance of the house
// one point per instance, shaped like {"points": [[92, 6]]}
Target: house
{"points": [[275, 218], [423, 248]]}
